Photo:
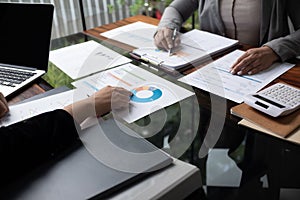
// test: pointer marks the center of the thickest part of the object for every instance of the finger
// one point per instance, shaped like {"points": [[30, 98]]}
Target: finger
{"points": [[257, 69], [3, 109], [120, 99], [2, 99], [161, 39], [177, 41], [245, 70], [248, 68], [240, 59], [121, 95], [168, 38], [237, 65], [120, 103], [123, 91], [158, 40], [242, 65]]}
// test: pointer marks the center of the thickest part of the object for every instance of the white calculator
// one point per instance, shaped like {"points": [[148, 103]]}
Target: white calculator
{"points": [[277, 100]]}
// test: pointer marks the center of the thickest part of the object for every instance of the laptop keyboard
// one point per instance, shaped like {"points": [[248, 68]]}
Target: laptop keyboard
{"points": [[10, 77]]}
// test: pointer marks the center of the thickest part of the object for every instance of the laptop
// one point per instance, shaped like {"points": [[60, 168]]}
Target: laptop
{"points": [[80, 174], [24, 43]]}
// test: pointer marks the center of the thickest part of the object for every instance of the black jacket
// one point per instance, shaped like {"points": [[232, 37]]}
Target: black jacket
{"points": [[27, 144]]}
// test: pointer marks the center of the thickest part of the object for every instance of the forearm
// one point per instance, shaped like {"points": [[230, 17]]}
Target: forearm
{"points": [[178, 12], [47, 132], [81, 110], [286, 47], [289, 46], [27, 144]]}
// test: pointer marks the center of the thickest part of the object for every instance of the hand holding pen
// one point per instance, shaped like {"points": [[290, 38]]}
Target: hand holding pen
{"points": [[173, 40], [167, 39]]}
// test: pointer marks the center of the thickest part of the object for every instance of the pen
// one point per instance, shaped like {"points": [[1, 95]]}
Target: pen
{"points": [[173, 39]]}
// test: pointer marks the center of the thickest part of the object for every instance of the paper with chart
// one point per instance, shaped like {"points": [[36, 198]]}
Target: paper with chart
{"points": [[137, 34], [216, 78], [85, 58], [33, 108], [150, 92]]}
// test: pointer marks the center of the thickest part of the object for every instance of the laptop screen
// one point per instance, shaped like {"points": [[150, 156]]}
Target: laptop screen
{"points": [[25, 34]]}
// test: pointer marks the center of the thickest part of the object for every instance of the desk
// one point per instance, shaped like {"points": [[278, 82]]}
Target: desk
{"points": [[232, 135], [178, 181], [175, 182], [259, 146]]}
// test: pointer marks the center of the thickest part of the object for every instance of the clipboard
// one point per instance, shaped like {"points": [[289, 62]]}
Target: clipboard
{"points": [[183, 57], [196, 47]]}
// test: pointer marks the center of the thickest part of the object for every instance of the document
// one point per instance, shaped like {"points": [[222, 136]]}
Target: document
{"points": [[33, 108], [216, 78], [137, 34], [196, 46], [86, 58], [209, 42], [150, 92]]}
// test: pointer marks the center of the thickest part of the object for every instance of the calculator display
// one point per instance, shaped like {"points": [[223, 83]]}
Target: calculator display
{"points": [[261, 104], [269, 101]]}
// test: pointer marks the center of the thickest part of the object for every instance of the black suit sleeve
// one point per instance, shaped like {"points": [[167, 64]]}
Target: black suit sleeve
{"points": [[27, 144]]}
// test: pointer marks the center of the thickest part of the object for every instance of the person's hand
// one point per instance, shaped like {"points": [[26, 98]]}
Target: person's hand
{"points": [[100, 103], [111, 98], [163, 39], [254, 60], [3, 105]]}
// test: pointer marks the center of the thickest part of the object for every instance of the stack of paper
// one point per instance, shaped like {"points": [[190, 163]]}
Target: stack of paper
{"points": [[86, 58], [196, 47], [138, 34]]}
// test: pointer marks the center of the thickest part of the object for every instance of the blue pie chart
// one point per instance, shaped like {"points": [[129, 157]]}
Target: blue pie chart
{"points": [[145, 94]]}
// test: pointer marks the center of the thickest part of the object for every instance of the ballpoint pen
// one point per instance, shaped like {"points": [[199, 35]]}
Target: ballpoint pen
{"points": [[173, 39]]}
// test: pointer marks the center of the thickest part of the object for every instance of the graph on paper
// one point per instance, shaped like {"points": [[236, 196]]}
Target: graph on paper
{"points": [[217, 79], [150, 92]]}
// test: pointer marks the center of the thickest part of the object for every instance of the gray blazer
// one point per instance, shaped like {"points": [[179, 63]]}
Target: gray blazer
{"points": [[274, 30]]}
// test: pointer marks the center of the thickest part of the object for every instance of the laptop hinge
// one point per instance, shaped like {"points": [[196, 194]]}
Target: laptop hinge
{"points": [[18, 67]]}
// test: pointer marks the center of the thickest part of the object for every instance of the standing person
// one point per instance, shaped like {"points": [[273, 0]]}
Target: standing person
{"points": [[26, 144], [262, 24]]}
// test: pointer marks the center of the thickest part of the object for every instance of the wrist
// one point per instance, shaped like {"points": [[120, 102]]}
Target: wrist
{"points": [[272, 54], [81, 110]]}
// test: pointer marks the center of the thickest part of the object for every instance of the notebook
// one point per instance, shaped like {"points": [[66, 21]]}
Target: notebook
{"points": [[281, 126], [24, 43], [95, 170]]}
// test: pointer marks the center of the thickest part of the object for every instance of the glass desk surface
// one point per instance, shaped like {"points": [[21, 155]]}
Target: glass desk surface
{"points": [[235, 162]]}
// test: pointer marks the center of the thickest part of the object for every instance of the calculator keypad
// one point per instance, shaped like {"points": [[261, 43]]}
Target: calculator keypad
{"points": [[283, 94]]}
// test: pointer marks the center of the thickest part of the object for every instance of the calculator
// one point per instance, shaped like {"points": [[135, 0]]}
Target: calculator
{"points": [[277, 100]]}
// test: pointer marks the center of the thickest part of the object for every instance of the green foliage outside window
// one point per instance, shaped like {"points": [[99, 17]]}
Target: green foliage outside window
{"points": [[147, 7]]}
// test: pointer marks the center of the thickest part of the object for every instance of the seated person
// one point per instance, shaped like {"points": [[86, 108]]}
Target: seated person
{"points": [[27, 144], [261, 24]]}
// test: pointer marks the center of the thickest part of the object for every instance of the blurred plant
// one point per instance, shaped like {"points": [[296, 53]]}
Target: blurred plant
{"points": [[135, 8], [188, 24], [150, 8], [141, 6]]}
